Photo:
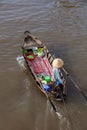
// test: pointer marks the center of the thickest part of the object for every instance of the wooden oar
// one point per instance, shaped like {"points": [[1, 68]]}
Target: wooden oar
{"points": [[78, 88], [54, 108]]}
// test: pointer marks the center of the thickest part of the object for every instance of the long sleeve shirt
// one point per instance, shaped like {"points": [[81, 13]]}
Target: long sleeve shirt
{"points": [[56, 75]]}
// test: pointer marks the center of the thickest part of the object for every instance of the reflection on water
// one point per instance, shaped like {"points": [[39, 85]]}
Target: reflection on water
{"points": [[62, 25]]}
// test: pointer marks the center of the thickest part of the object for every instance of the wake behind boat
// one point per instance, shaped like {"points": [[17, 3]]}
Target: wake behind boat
{"points": [[39, 62]]}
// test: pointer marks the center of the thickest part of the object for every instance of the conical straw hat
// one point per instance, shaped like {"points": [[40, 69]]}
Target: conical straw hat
{"points": [[57, 63]]}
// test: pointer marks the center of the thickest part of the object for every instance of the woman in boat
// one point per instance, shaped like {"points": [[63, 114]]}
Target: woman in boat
{"points": [[57, 64]]}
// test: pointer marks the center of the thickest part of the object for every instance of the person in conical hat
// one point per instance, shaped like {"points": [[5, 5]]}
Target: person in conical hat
{"points": [[57, 64]]}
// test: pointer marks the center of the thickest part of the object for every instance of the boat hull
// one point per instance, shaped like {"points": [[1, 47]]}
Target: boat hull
{"points": [[40, 65]]}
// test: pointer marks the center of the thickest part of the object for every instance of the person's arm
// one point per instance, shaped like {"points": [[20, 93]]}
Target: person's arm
{"points": [[57, 76]]}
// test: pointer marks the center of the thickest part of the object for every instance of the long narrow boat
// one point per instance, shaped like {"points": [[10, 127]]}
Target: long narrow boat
{"points": [[39, 61]]}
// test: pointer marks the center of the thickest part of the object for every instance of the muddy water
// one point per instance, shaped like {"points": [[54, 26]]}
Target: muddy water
{"points": [[62, 25]]}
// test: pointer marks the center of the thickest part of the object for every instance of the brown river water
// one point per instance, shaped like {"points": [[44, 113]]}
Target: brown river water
{"points": [[62, 26]]}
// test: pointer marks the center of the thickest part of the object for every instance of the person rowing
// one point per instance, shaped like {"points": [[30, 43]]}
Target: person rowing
{"points": [[60, 83]]}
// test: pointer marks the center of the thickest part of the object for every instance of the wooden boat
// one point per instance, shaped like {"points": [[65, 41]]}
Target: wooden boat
{"points": [[39, 61]]}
